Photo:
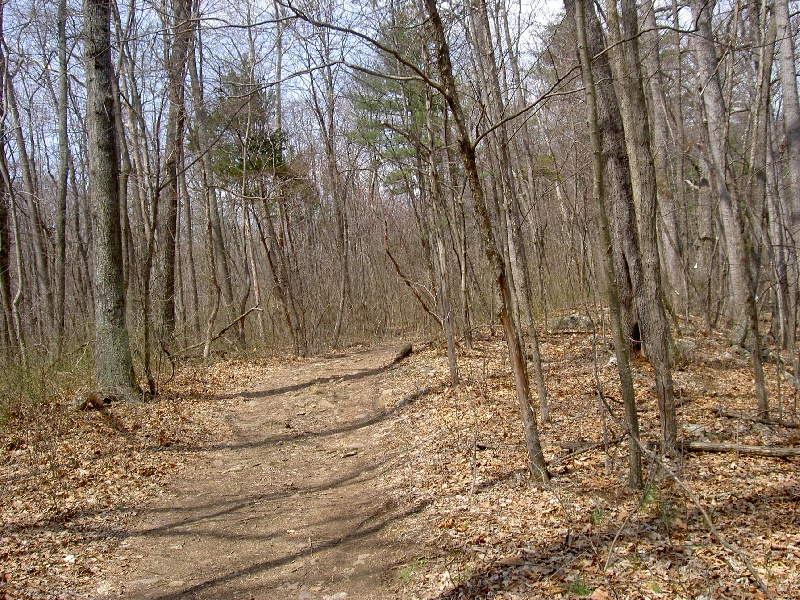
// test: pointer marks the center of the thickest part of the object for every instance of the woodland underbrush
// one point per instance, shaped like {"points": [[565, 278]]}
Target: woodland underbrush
{"points": [[490, 534]]}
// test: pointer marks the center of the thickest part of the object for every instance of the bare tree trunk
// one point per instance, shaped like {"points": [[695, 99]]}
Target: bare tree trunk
{"points": [[518, 260], [577, 9], [42, 271], [63, 173], [536, 463], [743, 310], [791, 125], [19, 296], [791, 106], [628, 77], [6, 191], [659, 119], [192, 275], [215, 287], [435, 225], [617, 178], [458, 228], [280, 279], [181, 33], [113, 365], [251, 263], [222, 271]]}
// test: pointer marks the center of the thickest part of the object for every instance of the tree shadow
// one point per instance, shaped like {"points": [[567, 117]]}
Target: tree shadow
{"points": [[379, 520], [358, 473], [296, 387]]}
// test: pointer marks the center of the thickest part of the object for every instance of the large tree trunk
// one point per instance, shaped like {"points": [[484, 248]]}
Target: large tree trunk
{"points": [[577, 9], [628, 78], [113, 365]]}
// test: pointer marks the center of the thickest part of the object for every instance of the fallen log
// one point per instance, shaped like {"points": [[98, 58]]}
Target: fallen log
{"points": [[406, 400], [403, 353], [774, 451], [775, 422]]}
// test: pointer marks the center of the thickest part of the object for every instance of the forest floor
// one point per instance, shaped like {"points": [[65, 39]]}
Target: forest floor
{"points": [[334, 478]]}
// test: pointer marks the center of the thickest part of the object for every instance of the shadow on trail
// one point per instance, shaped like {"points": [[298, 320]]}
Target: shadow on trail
{"points": [[299, 436], [296, 387], [360, 531], [357, 475]]}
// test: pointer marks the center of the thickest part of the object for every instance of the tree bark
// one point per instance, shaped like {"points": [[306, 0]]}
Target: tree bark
{"points": [[5, 206], [517, 255], [182, 30], [743, 310], [655, 329], [30, 192], [113, 365], [791, 107], [659, 119], [577, 9], [63, 174]]}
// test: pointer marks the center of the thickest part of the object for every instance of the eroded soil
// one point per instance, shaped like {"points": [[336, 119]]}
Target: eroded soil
{"points": [[293, 505]]}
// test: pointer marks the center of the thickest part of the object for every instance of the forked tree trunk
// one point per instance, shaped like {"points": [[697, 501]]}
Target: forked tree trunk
{"points": [[577, 9], [655, 329]]}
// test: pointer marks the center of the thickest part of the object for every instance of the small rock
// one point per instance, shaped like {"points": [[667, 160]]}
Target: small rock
{"points": [[574, 322]]}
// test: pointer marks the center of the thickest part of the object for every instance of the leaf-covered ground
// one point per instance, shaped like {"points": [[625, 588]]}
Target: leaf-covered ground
{"points": [[587, 534], [73, 483]]}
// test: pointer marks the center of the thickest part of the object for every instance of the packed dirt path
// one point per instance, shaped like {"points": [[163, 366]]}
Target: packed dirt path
{"points": [[292, 506]]}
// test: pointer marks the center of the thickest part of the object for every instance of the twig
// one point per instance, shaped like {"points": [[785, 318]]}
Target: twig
{"points": [[606, 444], [221, 332], [405, 278]]}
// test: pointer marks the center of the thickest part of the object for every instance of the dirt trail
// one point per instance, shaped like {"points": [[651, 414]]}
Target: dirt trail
{"points": [[294, 506]]}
